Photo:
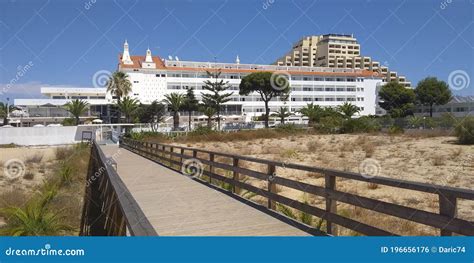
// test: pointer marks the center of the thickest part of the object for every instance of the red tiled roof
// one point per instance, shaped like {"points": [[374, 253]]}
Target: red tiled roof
{"points": [[137, 64]]}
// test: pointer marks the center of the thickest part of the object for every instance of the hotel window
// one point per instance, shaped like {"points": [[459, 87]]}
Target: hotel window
{"points": [[307, 89], [340, 99], [135, 81], [329, 89], [329, 99], [329, 79], [350, 89], [307, 99], [340, 89]]}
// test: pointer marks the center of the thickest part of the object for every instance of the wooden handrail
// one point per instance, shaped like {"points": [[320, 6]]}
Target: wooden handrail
{"points": [[446, 220], [109, 208]]}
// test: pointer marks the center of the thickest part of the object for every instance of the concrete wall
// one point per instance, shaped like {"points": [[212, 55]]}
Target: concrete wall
{"points": [[44, 135]]}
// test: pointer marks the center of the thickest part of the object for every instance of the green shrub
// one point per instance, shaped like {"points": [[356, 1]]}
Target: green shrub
{"points": [[136, 136], [288, 127], [202, 130], [69, 122], [362, 124], [395, 129], [465, 131], [330, 124]]}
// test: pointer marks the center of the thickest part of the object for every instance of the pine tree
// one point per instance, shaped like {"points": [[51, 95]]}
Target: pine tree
{"points": [[217, 94]]}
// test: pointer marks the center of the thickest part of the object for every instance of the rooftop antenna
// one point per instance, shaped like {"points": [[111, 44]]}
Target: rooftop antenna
{"points": [[170, 57], [176, 58]]}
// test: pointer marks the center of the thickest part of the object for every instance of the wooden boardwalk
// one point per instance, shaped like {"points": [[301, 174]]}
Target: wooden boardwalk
{"points": [[176, 205]]}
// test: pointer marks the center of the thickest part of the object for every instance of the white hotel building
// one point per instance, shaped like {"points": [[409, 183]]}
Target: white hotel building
{"points": [[153, 77]]}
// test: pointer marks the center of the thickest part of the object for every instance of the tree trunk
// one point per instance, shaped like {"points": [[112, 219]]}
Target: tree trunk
{"points": [[218, 119], [189, 120], [77, 120], [431, 110], [267, 114], [282, 120], [175, 120], [209, 122]]}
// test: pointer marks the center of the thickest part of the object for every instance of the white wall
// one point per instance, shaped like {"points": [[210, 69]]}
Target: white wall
{"points": [[43, 135]]}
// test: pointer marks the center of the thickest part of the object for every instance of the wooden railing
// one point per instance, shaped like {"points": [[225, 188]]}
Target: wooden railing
{"points": [[446, 220], [109, 208]]}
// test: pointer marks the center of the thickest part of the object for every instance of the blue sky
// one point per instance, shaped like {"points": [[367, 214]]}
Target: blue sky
{"points": [[66, 42]]}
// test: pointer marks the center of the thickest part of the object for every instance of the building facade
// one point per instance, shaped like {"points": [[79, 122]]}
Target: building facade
{"points": [[459, 106], [152, 78], [50, 110], [336, 51]]}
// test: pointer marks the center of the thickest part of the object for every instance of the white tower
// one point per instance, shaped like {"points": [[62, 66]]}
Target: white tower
{"points": [[237, 60], [126, 55], [148, 63], [148, 56]]}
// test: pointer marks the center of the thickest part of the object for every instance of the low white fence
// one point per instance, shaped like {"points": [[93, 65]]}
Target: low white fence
{"points": [[45, 135]]}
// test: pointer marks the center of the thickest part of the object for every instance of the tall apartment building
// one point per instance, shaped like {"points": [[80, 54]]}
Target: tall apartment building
{"points": [[336, 51]]}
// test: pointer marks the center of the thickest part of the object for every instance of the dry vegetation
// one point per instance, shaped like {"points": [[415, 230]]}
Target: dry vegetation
{"points": [[55, 171], [430, 159]]}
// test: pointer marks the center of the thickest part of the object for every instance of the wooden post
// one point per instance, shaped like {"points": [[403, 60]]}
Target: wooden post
{"points": [[331, 205], [271, 186], [211, 168], [181, 158], [447, 207], [235, 176], [171, 156]]}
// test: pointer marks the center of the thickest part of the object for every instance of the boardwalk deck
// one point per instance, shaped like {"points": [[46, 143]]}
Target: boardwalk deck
{"points": [[177, 206]]}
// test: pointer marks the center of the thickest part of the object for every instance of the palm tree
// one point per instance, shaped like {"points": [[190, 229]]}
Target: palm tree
{"points": [[119, 84], [282, 113], [175, 103], [190, 105], [77, 108], [209, 112], [348, 109], [313, 112], [3, 112], [128, 107], [35, 219]]}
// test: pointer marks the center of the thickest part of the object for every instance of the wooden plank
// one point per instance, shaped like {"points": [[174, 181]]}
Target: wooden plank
{"points": [[447, 207]]}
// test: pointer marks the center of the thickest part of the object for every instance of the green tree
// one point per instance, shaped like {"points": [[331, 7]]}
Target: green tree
{"points": [[152, 114], [431, 91], [77, 108], [348, 109], [268, 85], [313, 112], [282, 114], [35, 219], [119, 84], [397, 100], [175, 102], [217, 93], [209, 112], [128, 107], [190, 104], [4, 108]]}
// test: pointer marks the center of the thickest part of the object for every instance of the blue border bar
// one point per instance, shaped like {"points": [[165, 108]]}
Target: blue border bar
{"points": [[238, 249]]}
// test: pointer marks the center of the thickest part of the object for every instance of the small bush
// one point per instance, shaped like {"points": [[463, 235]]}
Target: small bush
{"points": [[202, 130], [395, 129], [438, 160], [34, 158], [330, 124], [29, 176], [465, 131], [372, 186], [61, 153]]}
